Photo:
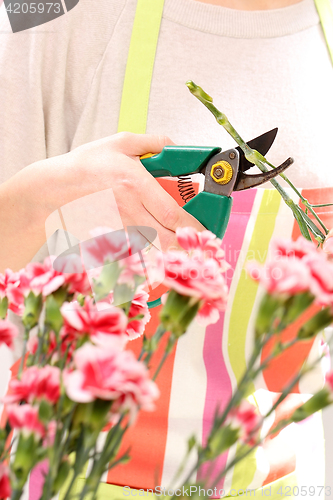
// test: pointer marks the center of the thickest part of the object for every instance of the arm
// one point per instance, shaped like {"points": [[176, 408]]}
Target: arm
{"points": [[29, 197]]}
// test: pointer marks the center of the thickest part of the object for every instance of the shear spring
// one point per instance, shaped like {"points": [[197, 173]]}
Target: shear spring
{"points": [[185, 187]]}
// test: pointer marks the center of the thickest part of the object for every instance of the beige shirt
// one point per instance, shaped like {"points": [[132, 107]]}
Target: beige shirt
{"points": [[60, 83]]}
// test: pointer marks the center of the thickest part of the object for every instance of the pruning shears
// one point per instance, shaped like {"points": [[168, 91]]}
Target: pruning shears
{"points": [[223, 171]]}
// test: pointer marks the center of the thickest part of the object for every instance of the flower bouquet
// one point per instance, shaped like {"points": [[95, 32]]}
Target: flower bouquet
{"points": [[78, 379]]}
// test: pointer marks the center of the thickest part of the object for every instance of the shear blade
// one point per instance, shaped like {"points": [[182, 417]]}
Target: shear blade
{"points": [[262, 143], [247, 181]]}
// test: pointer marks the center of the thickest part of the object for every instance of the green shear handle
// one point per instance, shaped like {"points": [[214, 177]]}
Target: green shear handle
{"points": [[210, 209]]}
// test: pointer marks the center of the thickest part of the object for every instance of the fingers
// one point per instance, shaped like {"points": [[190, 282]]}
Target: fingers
{"points": [[328, 244], [164, 208], [140, 144]]}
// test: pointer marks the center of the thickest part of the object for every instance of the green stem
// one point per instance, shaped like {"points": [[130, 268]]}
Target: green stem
{"points": [[102, 459], [321, 205], [153, 343], [165, 355], [16, 494], [25, 342]]}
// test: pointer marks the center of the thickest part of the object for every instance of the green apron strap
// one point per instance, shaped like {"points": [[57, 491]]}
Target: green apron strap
{"points": [[140, 64], [326, 18]]}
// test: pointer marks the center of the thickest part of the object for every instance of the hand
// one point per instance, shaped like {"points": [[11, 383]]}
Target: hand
{"points": [[114, 162]]}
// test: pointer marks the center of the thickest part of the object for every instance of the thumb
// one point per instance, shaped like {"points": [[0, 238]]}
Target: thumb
{"points": [[140, 144]]}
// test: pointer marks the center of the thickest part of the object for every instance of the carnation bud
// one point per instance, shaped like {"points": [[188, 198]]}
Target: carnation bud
{"points": [[26, 456], [45, 411], [319, 401], [221, 440], [271, 307], [178, 312], [296, 305], [32, 309], [99, 414], [316, 324], [53, 317]]}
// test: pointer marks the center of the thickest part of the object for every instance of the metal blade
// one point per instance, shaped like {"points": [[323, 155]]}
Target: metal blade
{"points": [[261, 144], [247, 181]]}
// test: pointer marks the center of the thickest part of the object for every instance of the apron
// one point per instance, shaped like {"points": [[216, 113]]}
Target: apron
{"points": [[207, 362]]}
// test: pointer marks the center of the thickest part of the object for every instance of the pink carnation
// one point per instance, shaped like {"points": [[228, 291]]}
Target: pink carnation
{"points": [[75, 276], [282, 276], [35, 383], [16, 293], [289, 248], [44, 279], [209, 314], [5, 489], [25, 418], [205, 242], [296, 266], [98, 324], [199, 272], [36, 277], [198, 277], [321, 270], [8, 332], [247, 419], [193, 276], [111, 374], [135, 327], [139, 307], [9, 278]]}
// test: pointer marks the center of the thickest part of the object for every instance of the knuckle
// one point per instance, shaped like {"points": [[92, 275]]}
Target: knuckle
{"points": [[128, 185], [123, 136], [170, 217], [164, 140], [122, 140]]}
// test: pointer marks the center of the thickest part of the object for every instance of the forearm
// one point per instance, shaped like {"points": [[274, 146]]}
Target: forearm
{"points": [[22, 218]]}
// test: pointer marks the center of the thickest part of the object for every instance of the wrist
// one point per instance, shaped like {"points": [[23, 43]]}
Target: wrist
{"points": [[22, 221]]}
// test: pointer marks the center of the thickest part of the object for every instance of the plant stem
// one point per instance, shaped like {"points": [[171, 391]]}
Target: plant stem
{"points": [[153, 343], [16, 494], [165, 355], [25, 342]]}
